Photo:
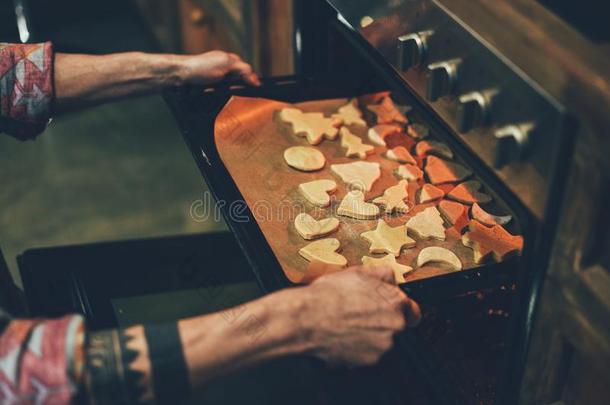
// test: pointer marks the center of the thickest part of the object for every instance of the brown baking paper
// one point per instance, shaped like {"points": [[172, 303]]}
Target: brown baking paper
{"points": [[251, 143]]}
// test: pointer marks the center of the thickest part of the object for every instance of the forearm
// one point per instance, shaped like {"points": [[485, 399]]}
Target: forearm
{"points": [[240, 337], [82, 80], [142, 363]]}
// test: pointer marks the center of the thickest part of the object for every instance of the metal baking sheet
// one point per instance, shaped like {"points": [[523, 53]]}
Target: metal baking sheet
{"points": [[251, 142]]}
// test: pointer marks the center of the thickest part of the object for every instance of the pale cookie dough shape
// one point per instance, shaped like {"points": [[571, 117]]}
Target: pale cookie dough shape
{"points": [[385, 239], [378, 133], [386, 112], [360, 175], [310, 228], [410, 172], [441, 171], [436, 254], [469, 193], [495, 242], [304, 158], [428, 224], [430, 147], [314, 126], [389, 260], [393, 199], [350, 114], [317, 191], [324, 251], [488, 219], [429, 193], [401, 154], [354, 206], [354, 145]]}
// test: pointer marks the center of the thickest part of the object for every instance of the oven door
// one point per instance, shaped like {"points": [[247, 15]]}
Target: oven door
{"points": [[462, 347]]}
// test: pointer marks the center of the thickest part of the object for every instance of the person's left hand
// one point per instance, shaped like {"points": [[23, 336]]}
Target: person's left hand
{"points": [[215, 66]]}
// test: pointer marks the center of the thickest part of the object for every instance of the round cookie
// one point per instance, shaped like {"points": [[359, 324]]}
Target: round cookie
{"points": [[304, 158]]}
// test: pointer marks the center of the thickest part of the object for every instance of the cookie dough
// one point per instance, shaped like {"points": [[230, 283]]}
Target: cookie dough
{"points": [[310, 228], [304, 158]]}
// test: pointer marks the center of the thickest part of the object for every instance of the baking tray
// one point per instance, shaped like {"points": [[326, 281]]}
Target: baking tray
{"points": [[226, 130]]}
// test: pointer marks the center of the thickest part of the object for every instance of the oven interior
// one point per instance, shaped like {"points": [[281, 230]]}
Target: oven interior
{"points": [[461, 349]]}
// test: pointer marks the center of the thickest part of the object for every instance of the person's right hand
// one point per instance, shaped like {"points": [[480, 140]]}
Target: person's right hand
{"points": [[351, 316]]}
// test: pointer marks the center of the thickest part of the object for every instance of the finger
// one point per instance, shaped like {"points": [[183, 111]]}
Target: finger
{"points": [[383, 273], [252, 79], [240, 68], [413, 313]]}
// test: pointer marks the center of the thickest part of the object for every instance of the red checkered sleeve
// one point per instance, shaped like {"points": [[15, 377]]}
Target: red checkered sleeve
{"points": [[26, 88], [41, 360]]}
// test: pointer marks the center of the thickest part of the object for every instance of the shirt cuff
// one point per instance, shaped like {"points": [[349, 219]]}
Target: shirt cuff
{"points": [[26, 88]]}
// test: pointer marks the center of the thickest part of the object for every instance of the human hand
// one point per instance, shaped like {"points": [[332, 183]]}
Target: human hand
{"points": [[215, 66], [351, 317]]}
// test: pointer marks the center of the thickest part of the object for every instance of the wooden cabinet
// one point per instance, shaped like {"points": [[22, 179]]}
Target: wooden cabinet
{"points": [[261, 31], [568, 361]]}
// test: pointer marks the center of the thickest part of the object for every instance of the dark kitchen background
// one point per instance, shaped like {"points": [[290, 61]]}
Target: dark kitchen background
{"points": [[112, 174]]}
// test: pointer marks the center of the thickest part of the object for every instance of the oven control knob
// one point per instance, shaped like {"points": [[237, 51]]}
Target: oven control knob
{"points": [[441, 78], [411, 50], [471, 111], [512, 144]]}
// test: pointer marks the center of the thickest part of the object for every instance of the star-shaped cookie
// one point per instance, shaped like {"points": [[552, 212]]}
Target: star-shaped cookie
{"points": [[389, 260], [387, 112], [385, 239], [495, 242]]}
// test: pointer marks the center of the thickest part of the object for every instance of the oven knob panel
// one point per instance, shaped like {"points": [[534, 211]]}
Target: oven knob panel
{"points": [[471, 111], [512, 144], [412, 50], [441, 78]]}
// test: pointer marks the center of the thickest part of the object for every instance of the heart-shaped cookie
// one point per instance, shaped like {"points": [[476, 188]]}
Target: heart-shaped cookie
{"points": [[354, 206], [359, 175], [317, 191], [390, 261], [309, 228], [324, 251], [430, 193], [435, 254], [441, 171], [428, 224], [468, 193], [393, 199], [488, 219], [304, 158]]}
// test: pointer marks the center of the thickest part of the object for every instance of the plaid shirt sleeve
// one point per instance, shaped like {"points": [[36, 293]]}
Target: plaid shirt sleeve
{"points": [[40, 360], [26, 88]]}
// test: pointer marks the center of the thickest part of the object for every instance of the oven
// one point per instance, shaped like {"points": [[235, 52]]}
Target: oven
{"points": [[514, 130]]}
